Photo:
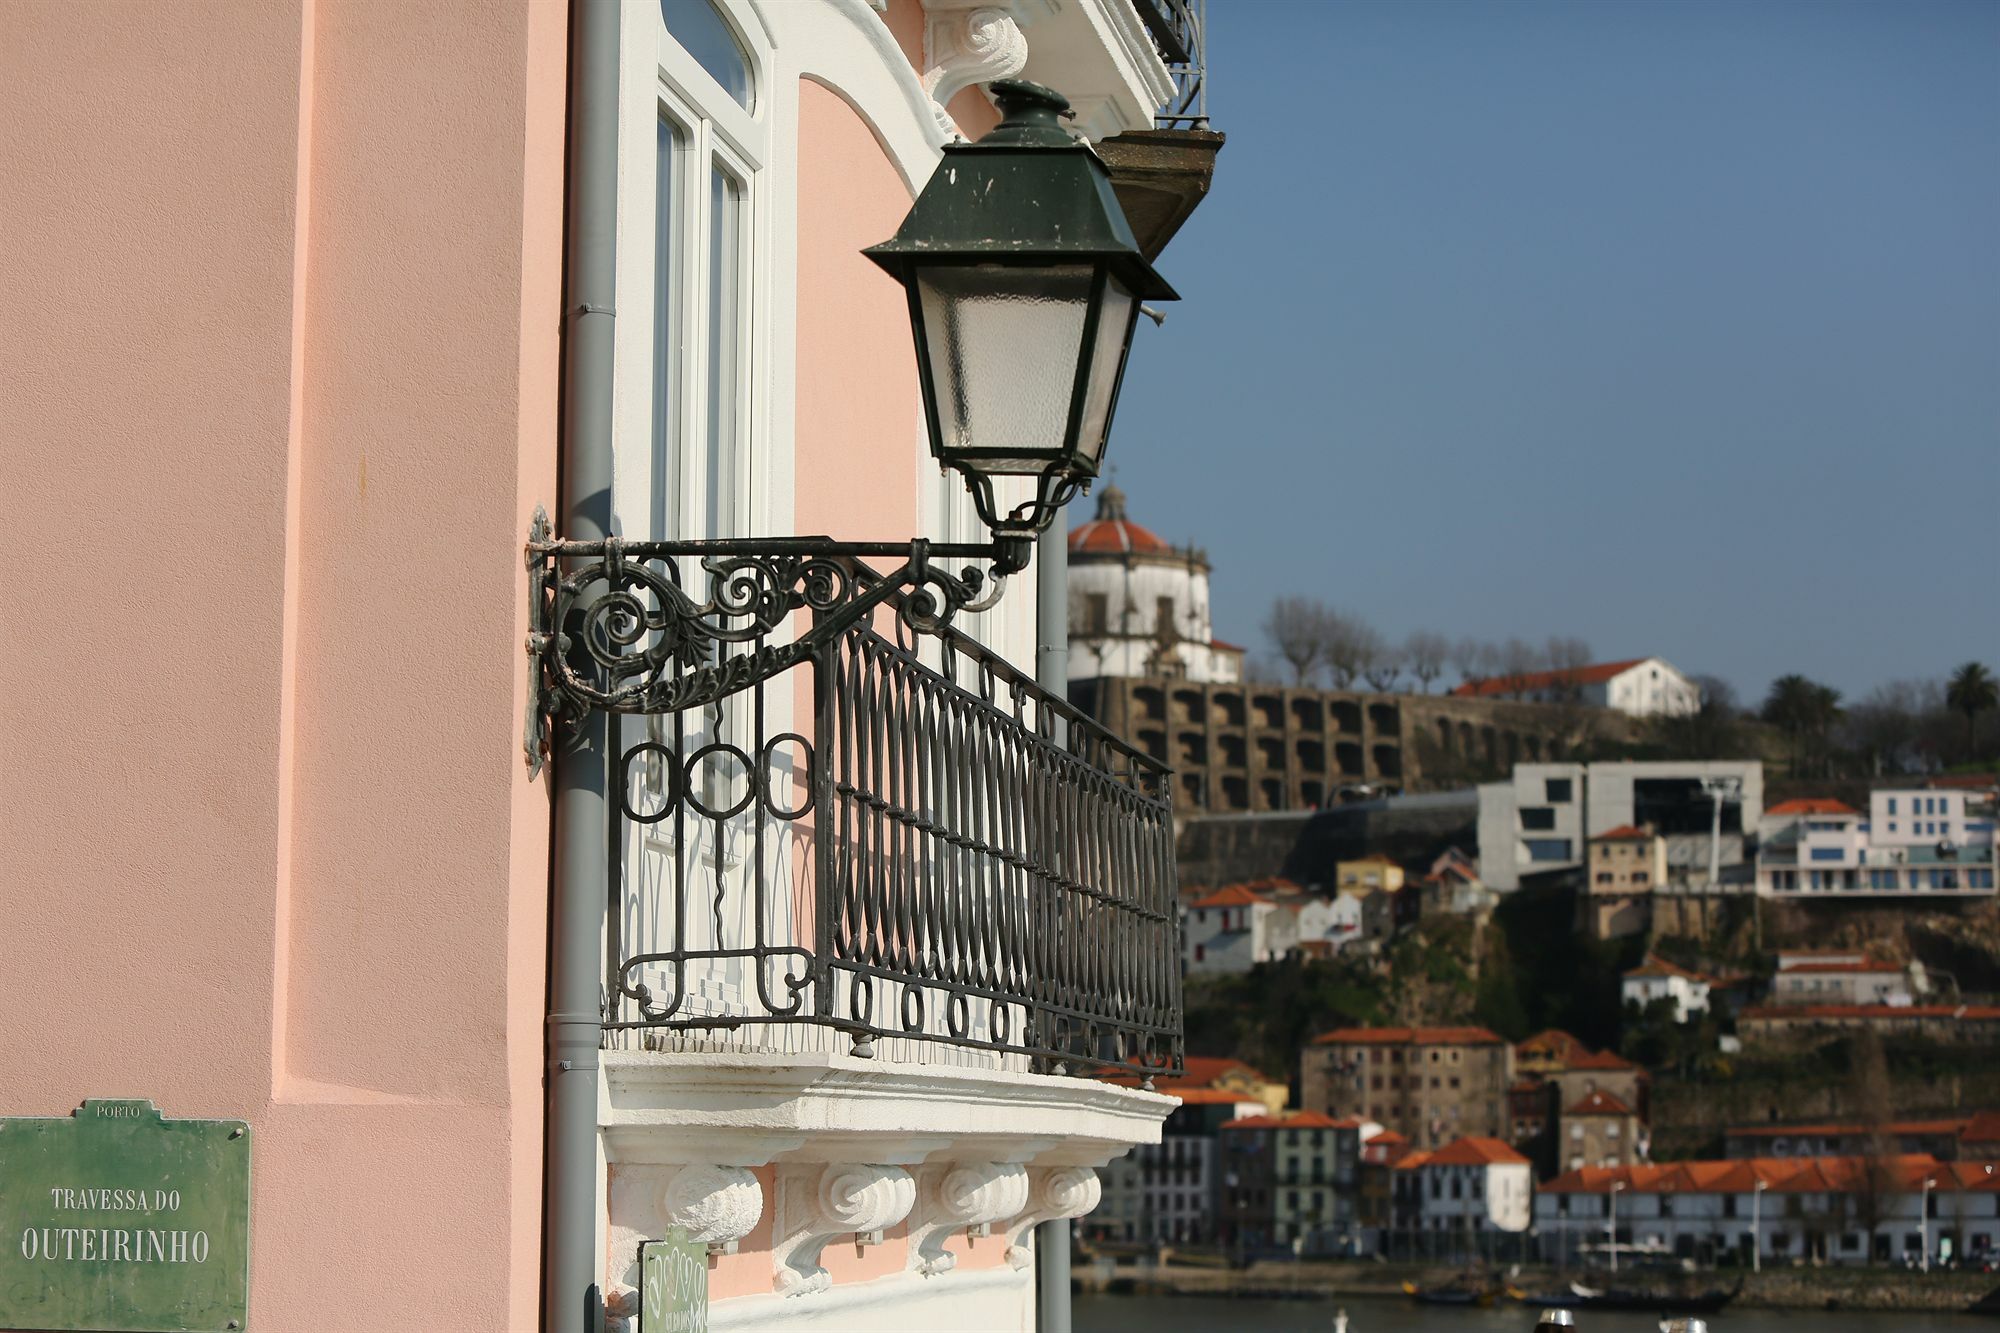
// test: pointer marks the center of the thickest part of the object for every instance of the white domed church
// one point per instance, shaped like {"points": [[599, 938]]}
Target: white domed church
{"points": [[1139, 606]]}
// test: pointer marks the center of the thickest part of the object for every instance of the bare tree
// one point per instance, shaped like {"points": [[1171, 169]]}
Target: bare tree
{"points": [[1296, 627], [1469, 657], [1381, 661], [1346, 645], [1427, 651], [1519, 660], [1564, 658]]}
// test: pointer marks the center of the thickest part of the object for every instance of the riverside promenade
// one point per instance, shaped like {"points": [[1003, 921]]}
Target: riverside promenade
{"points": [[1883, 1289]]}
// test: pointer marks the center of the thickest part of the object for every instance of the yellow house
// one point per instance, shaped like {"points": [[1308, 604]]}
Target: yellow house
{"points": [[1367, 875]]}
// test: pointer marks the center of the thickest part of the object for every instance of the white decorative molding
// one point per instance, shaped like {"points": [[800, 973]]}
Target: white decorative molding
{"points": [[822, 1204], [1063, 1191], [719, 1205], [961, 1195], [967, 46]]}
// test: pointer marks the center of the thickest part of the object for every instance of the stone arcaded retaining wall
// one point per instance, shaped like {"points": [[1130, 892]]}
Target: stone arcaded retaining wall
{"points": [[1239, 749]]}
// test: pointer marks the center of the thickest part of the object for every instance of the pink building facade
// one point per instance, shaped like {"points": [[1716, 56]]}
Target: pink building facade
{"points": [[284, 371]]}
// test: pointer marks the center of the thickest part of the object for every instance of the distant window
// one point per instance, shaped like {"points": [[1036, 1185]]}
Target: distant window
{"points": [[1097, 613], [1538, 817], [1892, 808], [1200, 952], [1639, 877], [1164, 617], [1827, 853], [1557, 791], [1549, 849]]}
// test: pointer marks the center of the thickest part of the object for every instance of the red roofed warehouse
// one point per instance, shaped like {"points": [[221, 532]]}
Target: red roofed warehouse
{"points": [[1640, 686]]}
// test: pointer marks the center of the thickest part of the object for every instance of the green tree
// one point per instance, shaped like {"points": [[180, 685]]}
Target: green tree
{"points": [[1971, 691], [1805, 711]]}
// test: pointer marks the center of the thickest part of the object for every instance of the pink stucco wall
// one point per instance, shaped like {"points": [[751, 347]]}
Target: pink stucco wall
{"points": [[280, 410]]}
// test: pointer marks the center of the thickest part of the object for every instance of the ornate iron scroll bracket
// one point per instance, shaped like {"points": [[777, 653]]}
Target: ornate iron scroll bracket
{"points": [[611, 627]]}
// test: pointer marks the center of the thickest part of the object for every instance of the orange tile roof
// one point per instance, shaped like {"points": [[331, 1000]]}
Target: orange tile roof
{"points": [[1623, 833], [1388, 1136], [1411, 1161], [1984, 1127], [1600, 1103], [1903, 1174], [1554, 1041], [1655, 966], [1236, 895], [1528, 681], [1300, 1120], [1407, 1037], [1600, 1060], [1812, 805], [1474, 1151], [1111, 536], [1211, 1097]]}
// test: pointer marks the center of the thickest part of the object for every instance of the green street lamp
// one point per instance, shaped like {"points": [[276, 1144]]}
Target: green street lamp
{"points": [[1024, 283]]}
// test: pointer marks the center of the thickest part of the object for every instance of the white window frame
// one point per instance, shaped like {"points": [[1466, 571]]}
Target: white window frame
{"points": [[658, 79]]}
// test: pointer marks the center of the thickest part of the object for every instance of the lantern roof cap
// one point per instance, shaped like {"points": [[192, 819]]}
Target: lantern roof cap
{"points": [[1029, 192]]}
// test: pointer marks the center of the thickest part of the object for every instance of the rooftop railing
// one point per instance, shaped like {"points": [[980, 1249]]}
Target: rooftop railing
{"points": [[1179, 30], [868, 824]]}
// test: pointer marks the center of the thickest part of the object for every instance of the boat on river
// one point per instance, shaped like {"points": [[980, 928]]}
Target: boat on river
{"points": [[1580, 1297], [1480, 1296]]}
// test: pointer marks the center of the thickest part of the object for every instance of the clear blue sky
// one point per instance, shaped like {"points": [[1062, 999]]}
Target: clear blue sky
{"points": [[1670, 324]]}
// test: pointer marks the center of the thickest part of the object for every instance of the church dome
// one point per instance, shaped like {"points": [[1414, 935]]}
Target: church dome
{"points": [[1111, 533]]}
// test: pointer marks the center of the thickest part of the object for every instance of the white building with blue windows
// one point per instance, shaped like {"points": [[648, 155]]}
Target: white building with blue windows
{"points": [[1912, 842]]}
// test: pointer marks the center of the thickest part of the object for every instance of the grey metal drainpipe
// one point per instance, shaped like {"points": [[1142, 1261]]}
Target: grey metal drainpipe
{"points": [[572, 1301], [1052, 674]]}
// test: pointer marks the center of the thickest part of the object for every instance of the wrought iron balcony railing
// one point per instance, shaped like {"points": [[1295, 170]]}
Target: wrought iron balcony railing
{"points": [[905, 839], [1180, 29]]}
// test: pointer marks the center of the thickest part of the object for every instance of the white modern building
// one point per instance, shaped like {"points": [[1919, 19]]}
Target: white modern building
{"points": [[1658, 979], [1913, 842], [1638, 686], [1541, 818], [1830, 1210], [1138, 605]]}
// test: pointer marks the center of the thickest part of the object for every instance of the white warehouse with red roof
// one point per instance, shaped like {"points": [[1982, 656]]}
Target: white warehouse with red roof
{"points": [[1138, 606]]}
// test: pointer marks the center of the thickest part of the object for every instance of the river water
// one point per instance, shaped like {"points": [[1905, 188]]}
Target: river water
{"points": [[1365, 1314]]}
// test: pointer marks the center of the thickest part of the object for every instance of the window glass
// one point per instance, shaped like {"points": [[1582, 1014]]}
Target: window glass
{"points": [[667, 349], [705, 34], [724, 302]]}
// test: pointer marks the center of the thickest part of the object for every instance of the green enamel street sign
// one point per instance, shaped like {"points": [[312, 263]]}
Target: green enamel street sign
{"points": [[114, 1218], [673, 1284]]}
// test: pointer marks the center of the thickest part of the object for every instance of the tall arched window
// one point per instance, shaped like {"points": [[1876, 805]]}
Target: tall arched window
{"points": [[710, 147]]}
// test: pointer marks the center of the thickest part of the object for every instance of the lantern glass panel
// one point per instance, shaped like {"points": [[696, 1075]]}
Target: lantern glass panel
{"points": [[1003, 342], [1107, 367]]}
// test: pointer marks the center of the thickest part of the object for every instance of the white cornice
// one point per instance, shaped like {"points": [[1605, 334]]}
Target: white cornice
{"points": [[751, 1108]]}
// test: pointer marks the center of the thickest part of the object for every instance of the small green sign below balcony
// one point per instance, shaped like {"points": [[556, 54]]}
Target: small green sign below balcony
{"points": [[673, 1284], [116, 1219]]}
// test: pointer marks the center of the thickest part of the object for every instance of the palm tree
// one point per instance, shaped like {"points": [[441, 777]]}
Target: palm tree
{"points": [[1971, 691], [1804, 710]]}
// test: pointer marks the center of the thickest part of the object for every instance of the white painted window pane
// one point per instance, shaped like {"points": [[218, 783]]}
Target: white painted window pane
{"points": [[668, 331], [725, 300]]}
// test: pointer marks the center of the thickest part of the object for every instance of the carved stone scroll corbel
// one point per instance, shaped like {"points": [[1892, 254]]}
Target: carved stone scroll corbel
{"points": [[1059, 1191], [955, 1196], [968, 46], [719, 1205], [841, 1200]]}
